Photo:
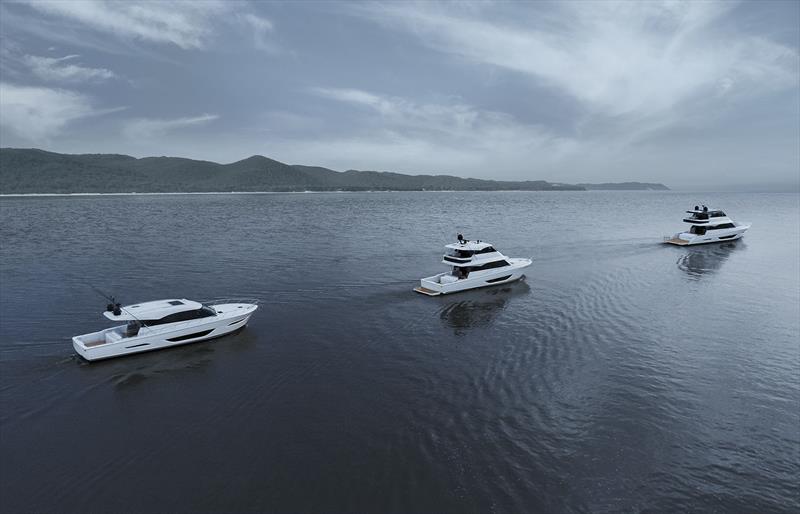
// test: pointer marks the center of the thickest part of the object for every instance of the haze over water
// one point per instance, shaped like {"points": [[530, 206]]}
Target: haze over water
{"points": [[622, 375]]}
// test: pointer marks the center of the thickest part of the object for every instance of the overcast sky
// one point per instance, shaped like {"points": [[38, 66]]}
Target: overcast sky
{"points": [[695, 95]]}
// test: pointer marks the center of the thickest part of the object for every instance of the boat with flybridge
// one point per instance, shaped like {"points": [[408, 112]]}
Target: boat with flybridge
{"points": [[707, 226], [473, 264]]}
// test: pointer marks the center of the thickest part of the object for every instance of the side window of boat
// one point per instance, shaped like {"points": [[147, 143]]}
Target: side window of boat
{"points": [[184, 316], [488, 249], [172, 318], [724, 225], [490, 265]]}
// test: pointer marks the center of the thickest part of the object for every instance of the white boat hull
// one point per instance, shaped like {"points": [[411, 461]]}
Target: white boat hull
{"points": [[108, 343], [718, 236], [433, 286]]}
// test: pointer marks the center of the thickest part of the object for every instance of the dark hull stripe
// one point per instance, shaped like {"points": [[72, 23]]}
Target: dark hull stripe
{"points": [[190, 336], [498, 279]]}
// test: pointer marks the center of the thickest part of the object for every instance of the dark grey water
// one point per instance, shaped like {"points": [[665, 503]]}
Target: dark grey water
{"points": [[623, 375]]}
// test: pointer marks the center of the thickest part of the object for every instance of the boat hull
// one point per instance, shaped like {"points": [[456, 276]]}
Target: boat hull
{"points": [[689, 239], [431, 286], [232, 318]]}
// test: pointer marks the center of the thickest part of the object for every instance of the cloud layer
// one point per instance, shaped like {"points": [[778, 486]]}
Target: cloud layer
{"points": [[185, 24], [566, 91], [61, 69], [38, 114], [144, 128], [616, 58]]}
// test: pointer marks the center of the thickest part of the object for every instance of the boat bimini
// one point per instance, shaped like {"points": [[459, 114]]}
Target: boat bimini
{"points": [[708, 226], [474, 264], [162, 324]]}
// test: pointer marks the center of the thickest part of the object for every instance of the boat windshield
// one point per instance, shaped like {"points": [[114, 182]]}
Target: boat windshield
{"points": [[132, 328], [462, 254], [206, 311]]}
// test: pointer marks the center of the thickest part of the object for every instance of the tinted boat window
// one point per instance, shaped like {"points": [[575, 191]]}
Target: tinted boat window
{"points": [[207, 311], [460, 253], [490, 265], [724, 225], [203, 312]]}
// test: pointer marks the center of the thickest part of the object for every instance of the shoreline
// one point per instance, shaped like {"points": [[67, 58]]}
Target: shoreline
{"points": [[29, 195]]}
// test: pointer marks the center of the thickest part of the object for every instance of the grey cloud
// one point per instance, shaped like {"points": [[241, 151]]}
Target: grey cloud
{"points": [[688, 93]]}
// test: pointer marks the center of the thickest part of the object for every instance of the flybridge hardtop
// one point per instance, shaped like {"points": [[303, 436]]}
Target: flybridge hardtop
{"points": [[161, 324], [154, 310], [464, 253], [708, 226], [704, 216], [474, 264], [469, 246]]}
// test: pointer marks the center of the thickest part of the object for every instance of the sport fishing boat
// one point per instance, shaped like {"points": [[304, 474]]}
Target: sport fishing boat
{"points": [[474, 264], [162, 324], [707, 226]]}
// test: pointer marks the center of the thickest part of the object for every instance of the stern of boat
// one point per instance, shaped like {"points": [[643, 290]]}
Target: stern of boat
{"points": [[90, 346], [680, 239], [431, 286]]}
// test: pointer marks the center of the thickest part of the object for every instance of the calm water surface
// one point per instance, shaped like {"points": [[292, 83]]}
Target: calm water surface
{"points": [[622, 376]]}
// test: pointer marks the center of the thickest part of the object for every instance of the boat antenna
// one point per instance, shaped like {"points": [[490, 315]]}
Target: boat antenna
{"points": [[116, 307]]}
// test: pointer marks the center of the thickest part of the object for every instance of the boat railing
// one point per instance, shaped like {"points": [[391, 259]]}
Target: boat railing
{"points": [[219, 301]]}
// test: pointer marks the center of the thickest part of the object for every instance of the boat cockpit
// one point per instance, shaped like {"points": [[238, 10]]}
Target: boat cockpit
{"points": [[156, 313], [464, 255], [703, 215], [132, 328]]}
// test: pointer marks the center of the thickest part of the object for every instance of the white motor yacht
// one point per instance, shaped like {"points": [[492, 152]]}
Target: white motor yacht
{"points": [[474, 264], [707, 226], [162, 324]]}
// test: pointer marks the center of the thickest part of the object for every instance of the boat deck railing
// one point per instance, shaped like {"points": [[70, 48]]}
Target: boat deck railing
{"points": [[219, 301]]}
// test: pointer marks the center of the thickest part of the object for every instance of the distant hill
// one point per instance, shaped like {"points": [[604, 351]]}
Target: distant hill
{"points": [[38, 171], [625, 186]]}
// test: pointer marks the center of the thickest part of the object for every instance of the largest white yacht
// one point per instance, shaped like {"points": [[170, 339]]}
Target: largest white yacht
{"points": [[473, 264], [161, 324], [707, 226]]}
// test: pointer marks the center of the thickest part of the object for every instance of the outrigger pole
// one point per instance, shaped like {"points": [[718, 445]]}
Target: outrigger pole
{"points": [[114, 307]]}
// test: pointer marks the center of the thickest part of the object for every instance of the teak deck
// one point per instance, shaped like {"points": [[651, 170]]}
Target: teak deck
{"points": [[677, 241], [424, 290]]}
